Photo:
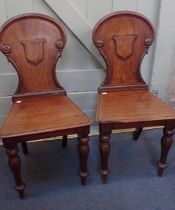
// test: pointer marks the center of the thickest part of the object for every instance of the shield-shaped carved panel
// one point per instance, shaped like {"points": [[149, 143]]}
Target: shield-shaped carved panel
{"points": [[124, 45], [34, 50]]}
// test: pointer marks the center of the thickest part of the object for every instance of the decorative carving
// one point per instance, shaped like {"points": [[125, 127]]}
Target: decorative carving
{"points": [[99, 43], [60, 44], [34, 50], [148, 42], [83, 149], [124, 45], [166, 143], [168, 133], [15, 166], [105, 151], [6, 49]]}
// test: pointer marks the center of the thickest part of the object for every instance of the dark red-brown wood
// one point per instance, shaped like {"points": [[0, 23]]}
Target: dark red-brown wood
{"points": [[124, 101], [33, 43]]}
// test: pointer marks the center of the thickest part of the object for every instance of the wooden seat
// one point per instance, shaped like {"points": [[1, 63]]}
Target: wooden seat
{"points": [[41, 109], [41, 115], [124, 101], [127, 107]]}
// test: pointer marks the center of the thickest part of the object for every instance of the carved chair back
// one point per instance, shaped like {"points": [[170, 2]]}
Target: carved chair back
{"points": [[33, 43], [123, 38]]}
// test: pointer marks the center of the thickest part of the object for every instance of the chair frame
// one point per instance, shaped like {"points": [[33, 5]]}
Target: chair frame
{"points": [[105, 128], [10, 142]]}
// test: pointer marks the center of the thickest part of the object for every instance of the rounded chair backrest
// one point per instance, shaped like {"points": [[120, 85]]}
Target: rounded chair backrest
{"points": [[33, 43], [123, 38]]}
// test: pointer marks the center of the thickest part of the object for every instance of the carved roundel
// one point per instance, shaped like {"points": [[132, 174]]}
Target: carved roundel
{"points": [[6, 49], [148, 42], [99, 43], [60, 44]]}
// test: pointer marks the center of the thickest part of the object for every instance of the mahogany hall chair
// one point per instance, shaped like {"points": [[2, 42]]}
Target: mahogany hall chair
{"points": [[124, 101], [41, 109]]}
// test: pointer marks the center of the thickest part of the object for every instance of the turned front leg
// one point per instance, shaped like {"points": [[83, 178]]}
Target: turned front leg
{"points": [[15, 166], [83, 149], [166, 143], [104, 151]]}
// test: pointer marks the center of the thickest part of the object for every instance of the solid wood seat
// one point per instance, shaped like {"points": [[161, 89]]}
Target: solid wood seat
{"points": [[41, 109], [41, 115], [133, 107], [124, 101]]}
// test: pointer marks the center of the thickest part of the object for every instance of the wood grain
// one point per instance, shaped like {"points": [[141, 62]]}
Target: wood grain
{"points": [[35, 78], [123, 73], [132, 106], [42, 115], [33, 43], [123, 39]]}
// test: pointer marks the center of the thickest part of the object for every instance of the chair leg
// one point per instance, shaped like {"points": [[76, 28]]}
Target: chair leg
{"points": [[25, 148], [64, 141], [83, 149], [137, 132], [15, 166], [166, 143], [104, 151]]}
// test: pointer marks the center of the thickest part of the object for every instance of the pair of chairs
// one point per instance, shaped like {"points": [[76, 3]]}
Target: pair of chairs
{"points": [[34, 42]]}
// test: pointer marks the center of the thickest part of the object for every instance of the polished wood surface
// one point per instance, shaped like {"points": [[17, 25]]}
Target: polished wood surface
{"points": [[132, 106], [124, 101], [123, 39], [41, 109], [33, 50], [45, 114]]}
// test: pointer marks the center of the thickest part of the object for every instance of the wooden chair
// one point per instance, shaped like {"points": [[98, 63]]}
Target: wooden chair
{"points": [[33, 43], [123, 38]]}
